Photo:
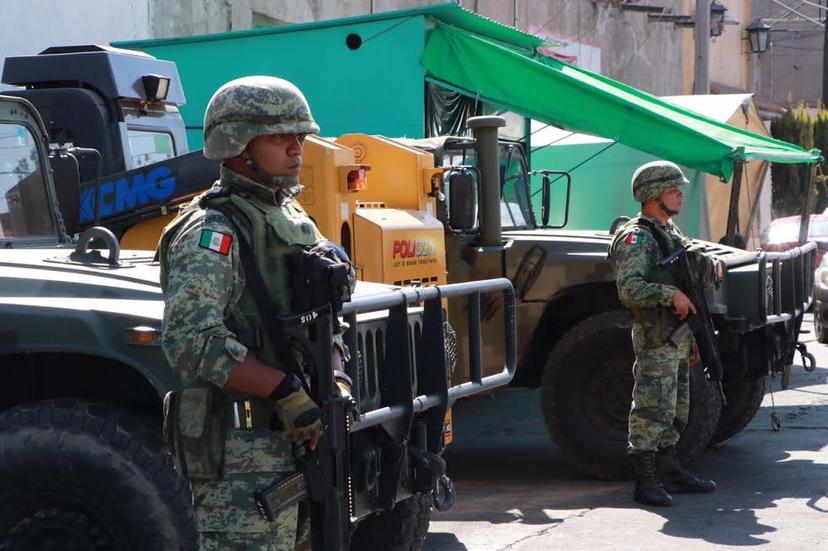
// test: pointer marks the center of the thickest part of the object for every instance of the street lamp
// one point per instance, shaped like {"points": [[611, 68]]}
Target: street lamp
{"points": [[758, 33], [717, 14]]}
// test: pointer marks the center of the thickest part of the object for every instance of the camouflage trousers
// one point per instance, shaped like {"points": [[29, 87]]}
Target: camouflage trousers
{"points": [[226, 514], [661, 395]]}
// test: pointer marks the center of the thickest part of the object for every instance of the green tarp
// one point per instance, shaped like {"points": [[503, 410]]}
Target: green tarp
{"points": [[563, 95]]}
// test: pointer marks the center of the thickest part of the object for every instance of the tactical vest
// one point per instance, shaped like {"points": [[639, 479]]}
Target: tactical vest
{"points": [[274, 233], [655, 323], [654, 273]]}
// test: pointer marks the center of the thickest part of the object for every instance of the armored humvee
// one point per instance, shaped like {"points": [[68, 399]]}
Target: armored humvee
{"points": [[82, 462]]}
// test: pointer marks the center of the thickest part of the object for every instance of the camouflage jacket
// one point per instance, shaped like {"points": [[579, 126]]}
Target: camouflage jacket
{"points": [[210, 320], [644, 288]]}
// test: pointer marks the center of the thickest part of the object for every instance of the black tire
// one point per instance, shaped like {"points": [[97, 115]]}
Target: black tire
{"points": [[404, 528], [87, 477], [587, 391], [820, 333], [744, 397]]}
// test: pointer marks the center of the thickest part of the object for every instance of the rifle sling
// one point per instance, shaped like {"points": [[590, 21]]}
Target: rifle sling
{"points": [[265, 307], [658, 234]]}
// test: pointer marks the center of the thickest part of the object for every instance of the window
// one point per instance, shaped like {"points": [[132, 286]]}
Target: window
{"points": [[149, 147], [24, 206], [515, 206], [515, 203]]}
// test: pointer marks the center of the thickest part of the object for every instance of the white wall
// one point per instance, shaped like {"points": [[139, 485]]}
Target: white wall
{"points": [[30, 26]]}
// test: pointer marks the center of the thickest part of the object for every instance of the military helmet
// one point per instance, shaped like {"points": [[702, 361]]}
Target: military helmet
{"points": [[253, 106], [651, 179]]}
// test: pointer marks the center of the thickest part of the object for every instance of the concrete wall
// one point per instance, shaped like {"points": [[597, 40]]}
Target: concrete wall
{"points": [[792, 67], [729, 53], [633, 49], [630, 47], [624, 45]]}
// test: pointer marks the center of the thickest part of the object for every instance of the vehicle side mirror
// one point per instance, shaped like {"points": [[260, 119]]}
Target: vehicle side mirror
{"points": [[546, 195], [67, 187], [545, 199], [462, 200]]}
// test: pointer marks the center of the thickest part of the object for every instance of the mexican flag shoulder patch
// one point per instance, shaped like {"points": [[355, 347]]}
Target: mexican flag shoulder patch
{"points": [[633, 238], [216, 241]]}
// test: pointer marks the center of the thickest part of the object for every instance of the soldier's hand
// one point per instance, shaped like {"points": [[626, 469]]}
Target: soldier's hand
{"points": [[695, 356], [682, 305], [336, 358], [343, 383], [298, 418]]}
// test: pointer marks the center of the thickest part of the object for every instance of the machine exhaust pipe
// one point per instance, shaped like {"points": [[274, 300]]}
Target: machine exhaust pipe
{"points": [[488, 163]]}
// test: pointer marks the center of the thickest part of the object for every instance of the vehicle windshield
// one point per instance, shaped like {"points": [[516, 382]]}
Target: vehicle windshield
{"points": [[515, 203], [24, 206]]}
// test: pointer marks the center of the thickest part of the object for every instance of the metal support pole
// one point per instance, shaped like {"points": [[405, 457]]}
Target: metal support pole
{"points": [[805, 221], [825, 69], [701, 80], [733, 208], [754, 209]]}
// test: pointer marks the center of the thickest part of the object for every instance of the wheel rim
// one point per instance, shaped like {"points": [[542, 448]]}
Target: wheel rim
{"points": [[608, 397], [57, 520]]}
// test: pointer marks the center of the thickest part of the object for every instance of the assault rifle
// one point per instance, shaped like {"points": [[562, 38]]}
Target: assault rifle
{"points": [[391, 450], [700, 323], [325, 479]]}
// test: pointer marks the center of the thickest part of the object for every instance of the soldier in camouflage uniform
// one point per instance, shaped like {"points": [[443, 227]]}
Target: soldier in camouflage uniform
{"points": [[221, 428], [661, 395]]}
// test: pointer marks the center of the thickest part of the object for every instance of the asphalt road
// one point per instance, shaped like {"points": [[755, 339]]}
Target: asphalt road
{"points": [[515, 490]]}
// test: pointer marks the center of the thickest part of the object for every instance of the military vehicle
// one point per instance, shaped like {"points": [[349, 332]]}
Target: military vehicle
{"points": [[574, 335], [428, 212], [82, 462]]}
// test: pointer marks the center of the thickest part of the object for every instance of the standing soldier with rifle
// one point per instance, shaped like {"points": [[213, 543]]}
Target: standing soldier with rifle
{"points": [[664, 322], [225, 262]]}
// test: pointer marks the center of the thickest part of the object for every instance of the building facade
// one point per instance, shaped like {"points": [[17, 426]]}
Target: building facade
{"points": [[648, 44]]}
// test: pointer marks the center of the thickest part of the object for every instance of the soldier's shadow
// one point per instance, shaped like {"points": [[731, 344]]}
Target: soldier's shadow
{"points": [[753, 480]]}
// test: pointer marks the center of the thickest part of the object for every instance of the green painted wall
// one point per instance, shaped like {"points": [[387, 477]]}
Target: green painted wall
{"points": [[601, 186], [378, 88]]}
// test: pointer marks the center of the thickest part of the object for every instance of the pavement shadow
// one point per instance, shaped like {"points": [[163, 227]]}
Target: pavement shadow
{"points": [[753, 478], [801, 378], [443, 541], [508, 470]]}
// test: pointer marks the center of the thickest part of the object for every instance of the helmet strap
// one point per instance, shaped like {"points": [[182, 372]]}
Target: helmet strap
{"points": [[264, 177], [667, 211]]}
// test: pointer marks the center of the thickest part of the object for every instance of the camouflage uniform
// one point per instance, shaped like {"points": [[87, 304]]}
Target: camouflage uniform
{"points": [[661, 395], [210, 320]]}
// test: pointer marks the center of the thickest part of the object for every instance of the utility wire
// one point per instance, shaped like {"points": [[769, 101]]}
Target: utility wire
{"points": [[554, 17], [544, 146], [576, 167], [638, 50], [390, 27]]}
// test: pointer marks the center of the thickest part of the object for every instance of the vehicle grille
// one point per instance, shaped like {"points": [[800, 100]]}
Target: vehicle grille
{"points": [[372, 358]]}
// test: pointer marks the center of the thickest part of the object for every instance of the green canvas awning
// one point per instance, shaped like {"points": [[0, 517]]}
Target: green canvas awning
{"points": [[557, 93]]}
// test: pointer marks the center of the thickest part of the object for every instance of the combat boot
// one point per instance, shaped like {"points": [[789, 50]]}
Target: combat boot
{"points": [[648, 490], [676, 479]]}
